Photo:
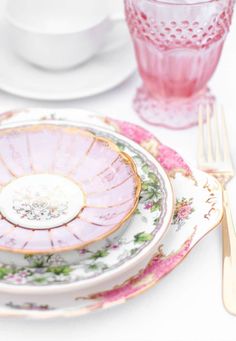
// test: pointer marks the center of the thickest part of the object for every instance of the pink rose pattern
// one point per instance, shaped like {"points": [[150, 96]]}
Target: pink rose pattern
{"points": [[158, 267], [168, 158], [183, 210], [130, 130]]}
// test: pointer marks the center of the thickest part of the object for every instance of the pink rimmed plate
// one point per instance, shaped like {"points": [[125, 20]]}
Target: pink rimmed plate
{"points": [[190, 223], [62, 188]]}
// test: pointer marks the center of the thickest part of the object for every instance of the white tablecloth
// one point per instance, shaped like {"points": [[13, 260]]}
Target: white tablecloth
{"points": [[184, 306]]}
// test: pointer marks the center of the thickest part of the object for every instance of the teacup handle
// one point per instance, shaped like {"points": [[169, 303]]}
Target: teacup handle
{"points": [[111, 42]]}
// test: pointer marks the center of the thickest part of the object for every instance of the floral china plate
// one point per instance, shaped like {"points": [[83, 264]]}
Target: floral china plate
{"points": [[121, 254], [191, 222], [50, 201]]}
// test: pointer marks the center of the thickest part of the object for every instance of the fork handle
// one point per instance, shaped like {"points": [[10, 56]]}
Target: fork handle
{"points": [[229, 257]]}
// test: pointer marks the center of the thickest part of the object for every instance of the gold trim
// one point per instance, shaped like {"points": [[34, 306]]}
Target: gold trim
{"points": [[4, 163], [92, 223], [134, 277], [8, 231], [67, 228], [87, 310], [199, 240], [50, 234], [72, 171], [56, 152], [103, 171], [110, 188], [108, 167], [29, 153], [121, 204], [29, 239], [74, 130]]}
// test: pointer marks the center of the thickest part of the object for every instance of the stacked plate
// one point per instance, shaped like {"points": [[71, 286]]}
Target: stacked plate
{"points": [[84, 210]]}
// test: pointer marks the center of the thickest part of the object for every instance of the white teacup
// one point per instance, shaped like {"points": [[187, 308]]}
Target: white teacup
{"points": [[58, 34]]}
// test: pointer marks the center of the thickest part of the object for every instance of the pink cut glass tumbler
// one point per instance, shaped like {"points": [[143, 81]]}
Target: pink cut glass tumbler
{"points": [[178, 45]]}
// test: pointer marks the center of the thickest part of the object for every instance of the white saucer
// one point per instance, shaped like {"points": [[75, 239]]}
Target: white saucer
{"points": [[101, 73]]}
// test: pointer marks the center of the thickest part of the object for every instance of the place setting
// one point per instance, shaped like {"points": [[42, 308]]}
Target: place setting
{"points": [[95, 210], [162, 226]]}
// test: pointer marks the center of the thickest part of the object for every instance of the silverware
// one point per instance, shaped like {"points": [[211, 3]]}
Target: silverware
{"points": [[214, 158]]}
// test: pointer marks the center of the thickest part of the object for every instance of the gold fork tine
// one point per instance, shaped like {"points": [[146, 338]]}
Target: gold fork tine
{"points": [[201, 155], [226, 152], [218, 163], [209, 135]]}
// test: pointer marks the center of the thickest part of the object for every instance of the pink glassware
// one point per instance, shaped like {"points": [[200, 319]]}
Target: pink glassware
{"points": [[62, 188], [178, 45]]}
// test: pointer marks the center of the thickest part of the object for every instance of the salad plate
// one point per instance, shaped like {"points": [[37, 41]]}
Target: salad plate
{"points": [[122, 254], [191, 221], [50, 202]]}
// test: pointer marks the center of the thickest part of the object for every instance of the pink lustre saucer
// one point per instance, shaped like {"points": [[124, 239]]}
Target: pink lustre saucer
{"points": [[62, 188]]}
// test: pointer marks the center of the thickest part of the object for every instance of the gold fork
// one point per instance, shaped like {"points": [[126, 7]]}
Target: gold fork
{"points": [[214, 158]]}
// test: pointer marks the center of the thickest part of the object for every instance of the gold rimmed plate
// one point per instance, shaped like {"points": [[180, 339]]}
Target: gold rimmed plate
{"points": [[62, 188], [121, 253]]}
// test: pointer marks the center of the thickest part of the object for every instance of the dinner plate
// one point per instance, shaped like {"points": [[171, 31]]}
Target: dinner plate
{"points": [[190, 223], [96, 265], [101, 73]]}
